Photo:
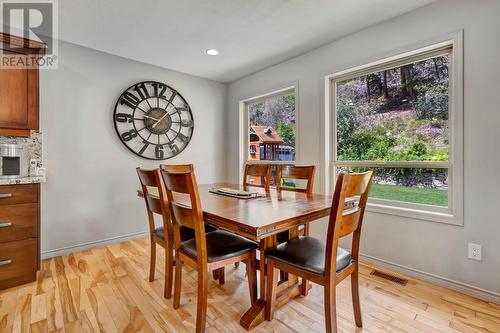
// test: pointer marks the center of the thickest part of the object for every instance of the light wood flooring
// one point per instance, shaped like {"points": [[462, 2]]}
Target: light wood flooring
{"points": [[107, 290]]}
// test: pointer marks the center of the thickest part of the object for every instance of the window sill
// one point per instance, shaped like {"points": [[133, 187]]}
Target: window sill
{"points": [[414, 213]]}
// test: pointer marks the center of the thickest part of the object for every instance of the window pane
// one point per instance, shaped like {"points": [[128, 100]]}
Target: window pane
{"points": [[272, 129], [399, 114], [419, 186]]}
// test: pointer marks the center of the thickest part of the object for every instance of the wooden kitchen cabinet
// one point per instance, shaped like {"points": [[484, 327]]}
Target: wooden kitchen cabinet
{"points": [[19, 234], [19, 110]]}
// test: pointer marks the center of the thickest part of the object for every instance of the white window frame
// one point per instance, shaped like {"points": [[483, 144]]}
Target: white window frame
{"points": [[245, 124], [453, 214]]}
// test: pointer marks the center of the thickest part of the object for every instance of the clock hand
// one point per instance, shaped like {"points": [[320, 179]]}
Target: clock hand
{"points": [[154, 125], [145, 116]]}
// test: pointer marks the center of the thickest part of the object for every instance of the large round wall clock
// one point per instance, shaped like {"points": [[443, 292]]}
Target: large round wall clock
{"points": [[153, 120]]}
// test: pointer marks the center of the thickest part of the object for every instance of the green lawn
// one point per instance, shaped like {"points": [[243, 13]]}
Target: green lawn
{"points": [[410, 194]]}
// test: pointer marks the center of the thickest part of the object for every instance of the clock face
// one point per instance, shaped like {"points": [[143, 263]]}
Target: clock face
{"points": [[153, 120]]}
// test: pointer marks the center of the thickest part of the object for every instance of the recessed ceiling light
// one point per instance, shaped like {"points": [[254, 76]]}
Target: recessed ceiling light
{"points": [[212, 52]]}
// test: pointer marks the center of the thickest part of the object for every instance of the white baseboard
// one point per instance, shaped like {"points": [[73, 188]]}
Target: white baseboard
{"points": [[486, 295], [89, 245]]}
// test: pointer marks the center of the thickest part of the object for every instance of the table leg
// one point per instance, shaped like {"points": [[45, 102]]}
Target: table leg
{"points": [[255, 315], [286, 290]]}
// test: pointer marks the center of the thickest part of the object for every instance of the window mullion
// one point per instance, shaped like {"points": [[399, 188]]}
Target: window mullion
{"points": [[394, 164]]}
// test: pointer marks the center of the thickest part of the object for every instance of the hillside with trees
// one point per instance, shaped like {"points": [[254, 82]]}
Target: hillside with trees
{"points": [[398, 114]]}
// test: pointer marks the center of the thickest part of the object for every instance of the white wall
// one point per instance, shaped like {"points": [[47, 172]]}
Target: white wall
{"points": [[91, 190], [430, 247]]}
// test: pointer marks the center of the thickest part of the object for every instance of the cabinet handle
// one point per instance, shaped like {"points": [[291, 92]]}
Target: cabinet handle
{"points": [[6, 195], [5, 262], [5, 224]]}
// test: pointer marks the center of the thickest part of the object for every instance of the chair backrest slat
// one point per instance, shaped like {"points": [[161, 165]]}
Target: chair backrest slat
{"points": [[183, 215], [348, 221], [147, 177], [178, 182], [264, 171], [355, 184], [154, 203], [298, 173]]}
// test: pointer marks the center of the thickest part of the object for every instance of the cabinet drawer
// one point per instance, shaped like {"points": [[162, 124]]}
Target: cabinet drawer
{"points": [[18, 262], [17, 194], [18, 222]]}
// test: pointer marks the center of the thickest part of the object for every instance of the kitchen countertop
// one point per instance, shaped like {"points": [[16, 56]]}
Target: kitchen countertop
{"points": [[23, 180]]}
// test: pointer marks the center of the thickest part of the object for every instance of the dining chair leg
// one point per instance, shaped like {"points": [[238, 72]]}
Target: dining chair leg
{"points": [[219, 275], [306, 230], [330, 309], [201, 305], [283, 276], [252, 277], [222, 275], [355, 297], [169, 270], [178, 282], [272, 285], [152, 261], [304, 287]]}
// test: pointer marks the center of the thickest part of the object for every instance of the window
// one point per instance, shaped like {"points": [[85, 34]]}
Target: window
{"points": [[270, 127], [395, 118]]}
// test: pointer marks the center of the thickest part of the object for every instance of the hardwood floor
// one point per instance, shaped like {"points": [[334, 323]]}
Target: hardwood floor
{"points": [[107, 290]]}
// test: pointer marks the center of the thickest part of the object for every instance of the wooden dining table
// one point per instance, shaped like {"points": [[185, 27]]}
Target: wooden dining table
{"points": [[261, 219]]}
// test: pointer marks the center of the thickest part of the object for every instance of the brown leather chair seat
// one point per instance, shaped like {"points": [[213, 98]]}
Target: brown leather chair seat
{"points": [[307, 254], [186, 233], [221, 245]]}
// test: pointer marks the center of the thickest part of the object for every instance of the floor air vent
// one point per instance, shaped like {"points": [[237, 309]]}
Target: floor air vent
{"points": [[389, 277]]}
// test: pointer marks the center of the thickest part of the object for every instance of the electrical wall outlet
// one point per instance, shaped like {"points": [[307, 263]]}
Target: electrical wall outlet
{"points": [[32, 169], [475, 251]]}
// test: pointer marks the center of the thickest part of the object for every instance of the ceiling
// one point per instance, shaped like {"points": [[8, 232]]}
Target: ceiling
{"points": [[249, 34]]}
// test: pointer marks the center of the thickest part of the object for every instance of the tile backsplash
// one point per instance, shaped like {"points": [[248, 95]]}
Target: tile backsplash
{"points": [[32, 146]]}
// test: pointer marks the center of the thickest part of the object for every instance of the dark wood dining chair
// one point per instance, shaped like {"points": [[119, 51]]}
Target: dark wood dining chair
{"points": [[155, 197], [303, 177], [156, 203], [261, 171], [300, 173], [326, 263], [207, 251]]}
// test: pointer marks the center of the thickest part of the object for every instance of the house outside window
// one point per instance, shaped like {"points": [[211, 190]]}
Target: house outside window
{"points": [[401, 119]]}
